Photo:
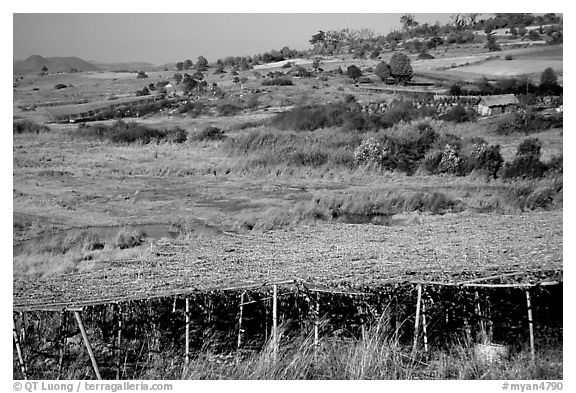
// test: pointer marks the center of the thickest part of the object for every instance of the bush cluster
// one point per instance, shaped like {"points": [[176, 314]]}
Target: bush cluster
{"points": [[528, 123], [209, 134], [129, 239], [459, 114], [131, 132], [347, 115], [228, 109], [526, 163], [28, 126], [278, 81], [402, 151]]}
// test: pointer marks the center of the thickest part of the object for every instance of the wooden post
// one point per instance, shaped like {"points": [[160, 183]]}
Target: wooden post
{"points": [[62, 343], [417, 320], [187, 354], [87, 343], [530, 325], [275, 320], [424, 328], [19, 350], [119, 344], [240, 320]]}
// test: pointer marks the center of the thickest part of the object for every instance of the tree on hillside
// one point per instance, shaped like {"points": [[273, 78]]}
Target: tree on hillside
{"points": [[319, 37], [178, 78], [383, 71], [198, 75], [491, 44], [408, 21], [400, 67], [219, 67], [187, 64], [353, 72], [243, 64], [201, 64], [549, 82], [44, 69], [180, 66]]}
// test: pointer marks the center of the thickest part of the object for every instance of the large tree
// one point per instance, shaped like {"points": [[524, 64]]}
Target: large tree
{"points": [[383, 71], [353, 72], [400, 67], [201, 64], [549, 82], [187, 64]]}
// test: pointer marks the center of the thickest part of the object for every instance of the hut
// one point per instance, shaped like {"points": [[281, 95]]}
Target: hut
{"points": [[497, 104]]}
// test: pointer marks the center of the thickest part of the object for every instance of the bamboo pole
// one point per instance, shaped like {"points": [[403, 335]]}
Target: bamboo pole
{"points": [[119, 344], [187, 353], [87, 343], [19, 350], [275, 320], [317, 323], [63, 343], [22, 327], [240, 320], [266, 304], [417, 320], [424, 326], [530, 326]]}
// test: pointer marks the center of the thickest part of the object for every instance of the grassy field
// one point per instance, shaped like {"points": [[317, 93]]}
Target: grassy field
{"points": [[265, 202]]}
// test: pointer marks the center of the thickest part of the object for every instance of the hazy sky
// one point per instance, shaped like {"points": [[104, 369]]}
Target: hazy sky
{"points": [[162, 38]]}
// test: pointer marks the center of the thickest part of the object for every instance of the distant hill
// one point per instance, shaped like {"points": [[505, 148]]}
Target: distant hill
{"points": [[124, 66], [34, 64]]}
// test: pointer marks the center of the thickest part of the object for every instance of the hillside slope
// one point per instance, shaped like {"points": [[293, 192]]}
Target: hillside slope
{"points": [[34, 64]]}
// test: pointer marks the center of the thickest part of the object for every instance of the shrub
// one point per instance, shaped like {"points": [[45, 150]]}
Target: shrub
{"points": [[370, 151], [209, 134], [459, 114], [401, 151], [277, 82], [353, 72], [176, 135], [121, 132], [312, 117], [425, 56], [455, 90], [194, 108], [485, 158], [129, 239], [228, 109], [28, 126], [528, 123], [508, 57], [527, 162], [450, 161]]}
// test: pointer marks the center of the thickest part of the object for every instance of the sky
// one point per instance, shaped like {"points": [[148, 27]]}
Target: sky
{"points": [[161, 38]]}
